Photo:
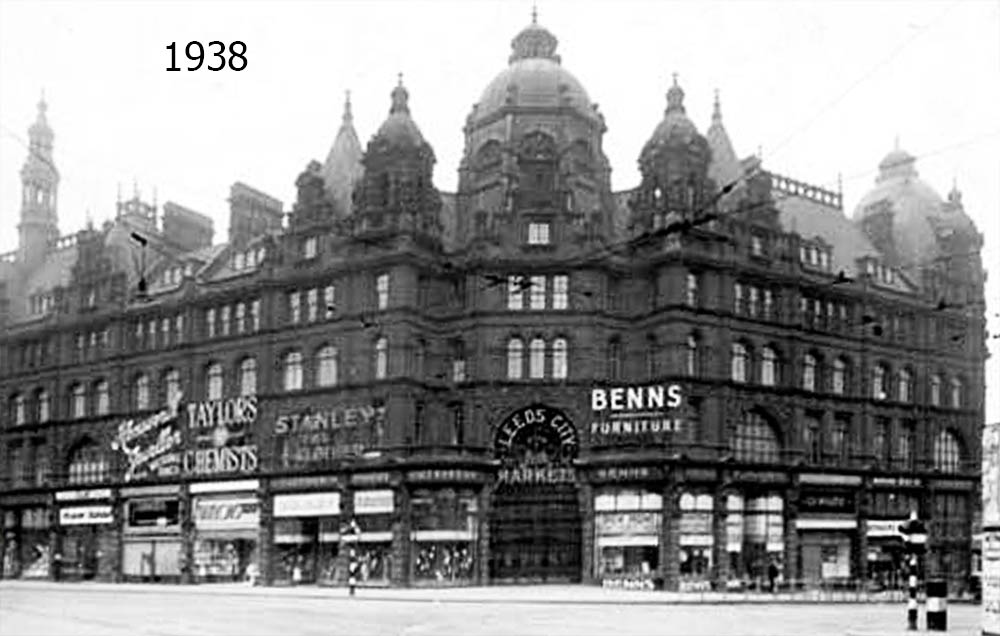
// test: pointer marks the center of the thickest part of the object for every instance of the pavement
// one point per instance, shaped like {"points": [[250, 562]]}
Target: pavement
{"points": [[97, 609]]}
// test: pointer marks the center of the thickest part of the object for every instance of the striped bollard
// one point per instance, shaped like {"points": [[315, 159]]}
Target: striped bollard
{"points": [[937, 605], [911, 603]]}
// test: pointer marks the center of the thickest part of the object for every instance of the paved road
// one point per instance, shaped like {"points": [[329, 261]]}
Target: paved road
{"points": [[86, 610]]}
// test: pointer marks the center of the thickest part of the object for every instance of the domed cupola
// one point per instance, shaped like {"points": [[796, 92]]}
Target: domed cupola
{"points": [[533, 153], [674, 165], [397, 190], [906, 219]]}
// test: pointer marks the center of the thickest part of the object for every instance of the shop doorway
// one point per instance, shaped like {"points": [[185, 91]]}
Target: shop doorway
{"points": [[78, 560], [535, 520]]}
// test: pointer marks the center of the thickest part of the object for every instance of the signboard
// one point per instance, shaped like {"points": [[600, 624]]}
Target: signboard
{"points": [[822, 501], [319, 504], [908, 482], [84, 495], [315, 437], [151, 445], [226, 514], [370, 502], [635, 413], [991, 476], [85, 515], [991, 583], [297, 483], [445, 475], [626, 473], [628, 523], [884, 527], [149, 513], [222, 431], [822, 478], [536, 445]]}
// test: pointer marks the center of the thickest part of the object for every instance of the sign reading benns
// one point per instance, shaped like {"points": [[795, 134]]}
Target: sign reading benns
{"points": [[635, 412], [151, 444], [536, 445], [316, 437]]}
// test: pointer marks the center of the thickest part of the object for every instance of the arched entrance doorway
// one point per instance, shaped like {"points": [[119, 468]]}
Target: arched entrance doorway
{"points": [[535, 525]]}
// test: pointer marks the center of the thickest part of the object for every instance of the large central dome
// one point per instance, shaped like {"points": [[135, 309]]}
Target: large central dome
{"points": [[535, 77]]}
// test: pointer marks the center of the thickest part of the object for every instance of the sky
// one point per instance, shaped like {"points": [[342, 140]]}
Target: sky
{"points": [[822, 89]]}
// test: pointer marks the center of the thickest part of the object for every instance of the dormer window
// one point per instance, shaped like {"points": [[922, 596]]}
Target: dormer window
{"points": [[310, 247], [756, 245], [539, 234]]}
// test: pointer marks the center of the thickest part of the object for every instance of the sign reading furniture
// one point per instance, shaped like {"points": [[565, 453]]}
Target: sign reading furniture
{"points": [[635, 412]]}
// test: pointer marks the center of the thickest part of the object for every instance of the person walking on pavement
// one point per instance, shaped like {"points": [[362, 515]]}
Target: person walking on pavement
{"points": [[772, 575]]}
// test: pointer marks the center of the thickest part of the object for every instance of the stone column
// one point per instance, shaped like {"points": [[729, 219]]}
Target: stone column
{"points": [[860, 564], [669, 535], [187, 534], [55, 543], [720, 532], [482, 562], [793, 569], [118, 537], [401, 544], [587, 548], [265, 534]]}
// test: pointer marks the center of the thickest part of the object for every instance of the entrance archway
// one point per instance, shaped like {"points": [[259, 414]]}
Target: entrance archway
{"points": [[535, 523]]}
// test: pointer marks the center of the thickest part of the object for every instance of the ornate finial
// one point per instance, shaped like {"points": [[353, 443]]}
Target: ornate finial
{"points": [[674, 74], [895, 145], [716, 109], [400, 98], [534, 13], [760, 152], [675, 97], [399, 78], [840, 183], [348, 116], [534, 42]]}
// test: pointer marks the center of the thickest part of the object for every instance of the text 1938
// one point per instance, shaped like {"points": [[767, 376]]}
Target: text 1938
{"points": [[195, 52]]}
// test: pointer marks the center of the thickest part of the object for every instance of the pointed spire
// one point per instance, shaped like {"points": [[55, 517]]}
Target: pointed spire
{"points": [[400, 98], [348, 116], [675, 97], [342, 168], [716, 109]]}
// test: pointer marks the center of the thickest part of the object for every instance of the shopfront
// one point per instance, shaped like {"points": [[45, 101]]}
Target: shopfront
{"points": [[755, 538], [226, 528], [891, 502], [306, 537], [26, 534], [374, 510], [152, 547], [88, 539], [828, 530], [627, 531], [444, 526]]}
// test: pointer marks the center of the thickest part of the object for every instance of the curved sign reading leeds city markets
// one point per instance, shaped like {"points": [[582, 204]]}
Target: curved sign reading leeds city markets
{"points": [[536, 445]]}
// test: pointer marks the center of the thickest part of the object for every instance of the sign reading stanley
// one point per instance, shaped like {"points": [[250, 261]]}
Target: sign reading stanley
{"points": [[314, 437], [634, 412], [536, 445]]}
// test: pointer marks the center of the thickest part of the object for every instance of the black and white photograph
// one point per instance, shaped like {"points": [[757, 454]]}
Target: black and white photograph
{"points": [[499, 317]]}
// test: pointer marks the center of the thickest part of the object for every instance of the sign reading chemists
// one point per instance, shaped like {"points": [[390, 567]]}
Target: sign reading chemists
{"points": [[635, 412]]}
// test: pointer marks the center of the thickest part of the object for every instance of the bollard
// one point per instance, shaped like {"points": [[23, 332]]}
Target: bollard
{"points": [[911, 603], [937, 605]]}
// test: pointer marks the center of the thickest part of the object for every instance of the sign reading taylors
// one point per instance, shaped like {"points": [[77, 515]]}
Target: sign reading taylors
{"points": [[316, 436], [151, 444], [85, 515], [226, 514], [222, 431], [635, 412], [536, 445]]}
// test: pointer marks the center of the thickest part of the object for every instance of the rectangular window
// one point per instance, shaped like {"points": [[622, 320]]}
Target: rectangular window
{"points": [[241, 317], [692, 290], [329, 301], [538, 292], [768, 304], [179, 329], [224, 320], [756, 245], [151, 331], [210, 323], [515, 292], [382, 290], [312, 304], [538, 234], [165, 331], [294, 309], [255, 315], [738, 298], [754, 301], [310, 247], [560, 292]]}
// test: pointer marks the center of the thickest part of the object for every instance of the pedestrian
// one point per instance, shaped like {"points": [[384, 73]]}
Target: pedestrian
{"points": [[772, 575]]}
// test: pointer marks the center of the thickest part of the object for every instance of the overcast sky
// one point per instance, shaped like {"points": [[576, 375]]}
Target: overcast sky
{"points": [[822, 88]]}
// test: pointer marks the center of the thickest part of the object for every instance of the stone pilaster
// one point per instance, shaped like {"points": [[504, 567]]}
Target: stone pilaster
{"points": [[117, 539], [860, 565], [720, 555], [265, 535], [588, 574], [55, 543], [793, 566], [482, 562], [670, 535], [401, 543], [186, 511]]}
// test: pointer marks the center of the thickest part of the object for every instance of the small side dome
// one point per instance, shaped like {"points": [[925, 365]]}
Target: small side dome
{"points": [[399, 129], [675, 128]]}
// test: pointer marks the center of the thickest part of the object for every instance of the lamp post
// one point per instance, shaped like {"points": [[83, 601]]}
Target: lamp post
{"points": [[354, 530], [915, 540]]}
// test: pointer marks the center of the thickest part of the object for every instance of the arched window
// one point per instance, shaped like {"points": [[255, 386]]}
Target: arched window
{"points": [[812, 441], [88, 464], [905, 385], [292, 371], [838, 381], [213, 375], [879, 375], [43, 406], [172, 386], [936, 390], [740, 359], [536, 359], [248, 376], [947, 452], [515, 359], [768, 367], [809, 372], [326, 366], [20, 409], [102, 397], [755, 439], [692, 355], [78, 401], [560, 363], [381, 358], [956, 393], [140, 389]]}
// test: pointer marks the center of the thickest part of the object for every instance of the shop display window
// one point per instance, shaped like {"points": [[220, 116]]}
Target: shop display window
{"points": [[444, 534], [755, 538], [627, 526], [223, 559]]}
